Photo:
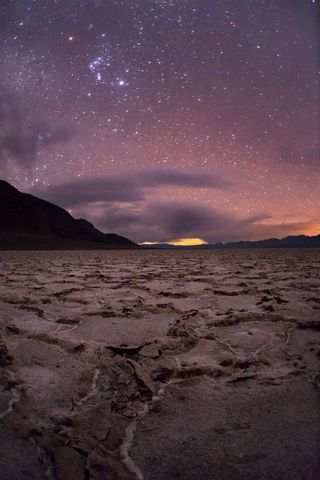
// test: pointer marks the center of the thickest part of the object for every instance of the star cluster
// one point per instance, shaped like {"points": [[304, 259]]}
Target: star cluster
{"points": [[226, 87]]}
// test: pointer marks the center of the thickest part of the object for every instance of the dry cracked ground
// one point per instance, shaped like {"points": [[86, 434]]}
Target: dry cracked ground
{"points": [[160, 365]]}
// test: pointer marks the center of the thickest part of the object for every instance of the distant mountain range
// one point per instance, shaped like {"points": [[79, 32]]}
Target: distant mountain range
{"points": [[27, 222], [298, 241], [293, 241]]}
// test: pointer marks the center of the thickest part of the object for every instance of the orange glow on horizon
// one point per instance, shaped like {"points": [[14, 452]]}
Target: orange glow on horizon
{"points": [[312, 231], [188, 242], [180, 242]]}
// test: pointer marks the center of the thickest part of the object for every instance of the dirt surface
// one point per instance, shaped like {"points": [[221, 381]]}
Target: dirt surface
{"points": [[157, 365]]}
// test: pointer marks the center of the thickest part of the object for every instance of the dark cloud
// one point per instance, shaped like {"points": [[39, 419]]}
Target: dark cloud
{"points": [[178, 178], [127, 186], [23, 134], [114, 188], [126, 203], [165, 221]]}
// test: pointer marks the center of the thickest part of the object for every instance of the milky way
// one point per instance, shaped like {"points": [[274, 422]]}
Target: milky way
{"points": [[190, 118]]}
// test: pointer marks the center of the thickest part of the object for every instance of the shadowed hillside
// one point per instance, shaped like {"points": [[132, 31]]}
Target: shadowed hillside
{"points": [[27, 222]]}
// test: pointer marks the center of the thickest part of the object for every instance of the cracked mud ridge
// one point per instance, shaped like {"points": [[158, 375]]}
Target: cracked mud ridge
{"points": [[160, 365]]}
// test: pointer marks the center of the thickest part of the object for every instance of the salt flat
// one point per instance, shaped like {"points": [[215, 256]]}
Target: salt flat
{"points": [[160, 365]]}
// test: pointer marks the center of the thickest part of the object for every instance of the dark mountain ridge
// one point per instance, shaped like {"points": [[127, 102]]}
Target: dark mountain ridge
{"points": [[293, 241], [28, 222]]}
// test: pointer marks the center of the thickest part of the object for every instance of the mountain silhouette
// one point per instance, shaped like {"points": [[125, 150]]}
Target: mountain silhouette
{"points": [[28, 222], [293, 241]]}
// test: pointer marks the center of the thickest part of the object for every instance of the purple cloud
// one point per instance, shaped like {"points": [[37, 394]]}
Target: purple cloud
{"points": [[126, 186]]}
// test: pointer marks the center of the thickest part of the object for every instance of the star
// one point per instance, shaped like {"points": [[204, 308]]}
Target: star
{"points": [[226, 90]]}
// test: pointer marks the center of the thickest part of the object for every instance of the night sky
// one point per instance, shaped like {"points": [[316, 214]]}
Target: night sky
{"points": [[165, 119]]}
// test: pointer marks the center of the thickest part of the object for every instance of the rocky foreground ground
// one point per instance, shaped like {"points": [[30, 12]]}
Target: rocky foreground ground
{"points": [[160, 365]]}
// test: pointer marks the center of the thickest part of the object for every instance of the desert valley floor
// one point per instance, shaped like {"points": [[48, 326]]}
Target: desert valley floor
{"points": [[159, 365]]}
